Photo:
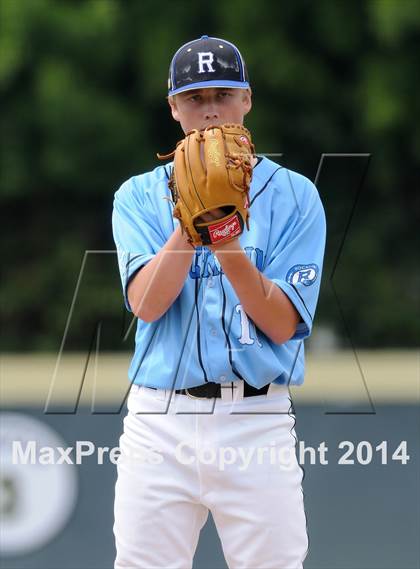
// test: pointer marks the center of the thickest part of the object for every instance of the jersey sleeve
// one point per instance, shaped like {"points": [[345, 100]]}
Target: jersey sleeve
{"points": [[136, 232], [295, 262]]}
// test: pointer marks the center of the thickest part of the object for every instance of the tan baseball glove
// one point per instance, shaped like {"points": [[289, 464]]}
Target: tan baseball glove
{"points": [[212, 172]]}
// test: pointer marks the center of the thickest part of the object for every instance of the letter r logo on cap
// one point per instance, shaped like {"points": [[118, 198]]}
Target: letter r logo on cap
{"points": [[205, 58]]}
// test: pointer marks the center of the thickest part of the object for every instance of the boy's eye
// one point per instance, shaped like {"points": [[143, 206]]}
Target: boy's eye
{"points": [[220, 95]]}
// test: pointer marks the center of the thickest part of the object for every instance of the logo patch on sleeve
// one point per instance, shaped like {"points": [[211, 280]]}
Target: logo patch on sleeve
{"points": [[304, 274]]}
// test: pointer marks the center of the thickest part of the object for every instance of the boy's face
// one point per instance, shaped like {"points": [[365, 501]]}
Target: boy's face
{"points": [[199, 108]]}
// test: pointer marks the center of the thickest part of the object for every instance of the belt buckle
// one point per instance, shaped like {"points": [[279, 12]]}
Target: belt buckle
{"points": [[193, 396], [210, 391]]}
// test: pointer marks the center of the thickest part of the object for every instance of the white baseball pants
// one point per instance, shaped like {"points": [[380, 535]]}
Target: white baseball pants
{"points": [[183, 457]]}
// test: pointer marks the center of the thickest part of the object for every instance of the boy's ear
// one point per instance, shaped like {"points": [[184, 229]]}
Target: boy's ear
{"points": [[174, 108], [247, 100]]}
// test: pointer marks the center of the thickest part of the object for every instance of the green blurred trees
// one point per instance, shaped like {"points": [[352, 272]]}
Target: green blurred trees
{"points": [[83, 108]]}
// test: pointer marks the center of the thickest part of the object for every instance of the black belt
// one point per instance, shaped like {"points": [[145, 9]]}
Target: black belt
{"points": [[210, 390]]}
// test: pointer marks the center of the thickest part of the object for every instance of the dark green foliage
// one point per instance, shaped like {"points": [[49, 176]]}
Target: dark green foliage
{"points": [[83, 87]]}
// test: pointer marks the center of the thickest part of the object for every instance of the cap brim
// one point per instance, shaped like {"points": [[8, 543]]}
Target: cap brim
{"points": [[208, 84]]}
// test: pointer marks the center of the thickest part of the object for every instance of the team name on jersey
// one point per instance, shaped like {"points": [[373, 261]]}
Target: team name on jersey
{"points": [[205, 264]]}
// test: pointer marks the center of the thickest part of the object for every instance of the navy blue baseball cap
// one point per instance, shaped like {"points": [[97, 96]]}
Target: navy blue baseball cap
{"points": [[207, 62]]}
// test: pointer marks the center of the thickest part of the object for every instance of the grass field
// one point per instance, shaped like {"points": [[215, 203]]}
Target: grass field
{"points": [[384, 376]]}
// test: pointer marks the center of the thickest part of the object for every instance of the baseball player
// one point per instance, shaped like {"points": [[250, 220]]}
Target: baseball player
{"points": [[220, 330]]}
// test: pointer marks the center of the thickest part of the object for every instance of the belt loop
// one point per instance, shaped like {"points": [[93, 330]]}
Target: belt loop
{"points": [[134, 389], [160, 394], [226, 391], [238, 390], [275, 390]]}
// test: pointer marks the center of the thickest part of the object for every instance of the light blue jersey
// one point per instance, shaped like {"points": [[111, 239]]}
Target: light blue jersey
{"points": [[206, 335]]}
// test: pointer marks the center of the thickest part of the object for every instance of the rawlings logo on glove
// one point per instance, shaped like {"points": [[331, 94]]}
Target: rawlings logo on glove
{"points": [[230, 228], [212, 171]]}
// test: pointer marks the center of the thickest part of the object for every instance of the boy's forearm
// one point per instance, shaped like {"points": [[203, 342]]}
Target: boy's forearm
{"points": [[268, 307], [157, 285]]}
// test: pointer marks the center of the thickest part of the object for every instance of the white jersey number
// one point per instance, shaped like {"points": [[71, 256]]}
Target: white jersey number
{"points": [[246, 328]]}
